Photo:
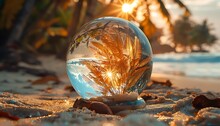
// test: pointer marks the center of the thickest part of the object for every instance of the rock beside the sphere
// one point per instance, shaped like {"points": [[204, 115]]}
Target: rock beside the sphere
{"points": [[110, 107], [117, 98], [98, 107]]}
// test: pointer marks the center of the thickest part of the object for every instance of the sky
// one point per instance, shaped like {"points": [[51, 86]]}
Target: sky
{"points": [[202, 9]]}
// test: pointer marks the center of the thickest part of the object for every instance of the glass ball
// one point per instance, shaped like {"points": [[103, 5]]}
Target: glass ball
{"points": [[109, 56]]}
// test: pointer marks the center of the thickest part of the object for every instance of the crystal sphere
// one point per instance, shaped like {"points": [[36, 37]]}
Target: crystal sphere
{"points": [[109, 56]]}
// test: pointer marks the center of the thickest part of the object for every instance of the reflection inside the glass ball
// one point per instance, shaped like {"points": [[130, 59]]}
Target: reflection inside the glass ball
{"points": [[109, 56]]}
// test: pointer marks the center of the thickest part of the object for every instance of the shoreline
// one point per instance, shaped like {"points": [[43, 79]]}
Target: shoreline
{"points": [[181, 81]]}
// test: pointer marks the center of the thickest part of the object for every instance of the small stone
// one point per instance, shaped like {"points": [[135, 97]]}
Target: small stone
{"points": [[11, 102], [147, 96], [8, 115], [98, 107], [101, 108], [202, 101], [69, 88]]}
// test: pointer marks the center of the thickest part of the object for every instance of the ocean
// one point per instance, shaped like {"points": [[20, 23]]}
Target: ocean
{"points": [[191, 64]]}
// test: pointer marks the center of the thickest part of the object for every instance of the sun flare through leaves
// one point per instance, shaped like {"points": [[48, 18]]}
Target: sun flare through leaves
{"points": [[119, 65], [127, 8], [124, 9]]}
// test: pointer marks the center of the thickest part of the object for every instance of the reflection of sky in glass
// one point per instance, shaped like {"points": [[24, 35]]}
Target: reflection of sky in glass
{"points": [[83, 85]]}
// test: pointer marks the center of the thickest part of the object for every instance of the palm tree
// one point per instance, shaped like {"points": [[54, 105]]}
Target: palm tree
{"points": [[147, 25], [187, 33], [180, 33], [53, 14], [21, 12], [200, 35]]}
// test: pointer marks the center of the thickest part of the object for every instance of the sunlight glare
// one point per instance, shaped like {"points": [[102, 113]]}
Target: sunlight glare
{"points": [[126, 8], [109, 74]]}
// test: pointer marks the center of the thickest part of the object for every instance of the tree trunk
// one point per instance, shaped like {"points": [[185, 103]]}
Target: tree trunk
{"points": [[90, 10], [200, 47], [73, 26], [75, 18], [42, 14], [21, 22]]}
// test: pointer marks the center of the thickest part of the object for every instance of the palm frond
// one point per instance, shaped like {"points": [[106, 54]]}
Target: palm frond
{"points": [[119, 65], [163, 10], [135, 76], [181, 5], [144, 62], [148, 27]]}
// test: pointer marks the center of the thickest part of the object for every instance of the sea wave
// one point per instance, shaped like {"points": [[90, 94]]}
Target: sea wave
{"points": [[190, 57], [193, 65]]}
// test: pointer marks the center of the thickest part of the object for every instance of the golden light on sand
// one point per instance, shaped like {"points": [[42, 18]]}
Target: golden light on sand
{"points": [[108, 124], [67, 102], [127, 8]]}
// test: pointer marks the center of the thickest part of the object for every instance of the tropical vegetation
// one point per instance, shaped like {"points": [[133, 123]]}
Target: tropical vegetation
{"points": [[191, 36], [48, 25]]}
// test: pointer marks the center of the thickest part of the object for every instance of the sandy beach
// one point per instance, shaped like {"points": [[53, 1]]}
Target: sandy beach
{"points": [[110, 63], [204, 84], [50, 103]]}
